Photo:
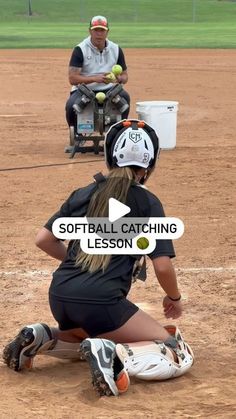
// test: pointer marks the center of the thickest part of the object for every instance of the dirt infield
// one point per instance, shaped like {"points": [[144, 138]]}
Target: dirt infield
{"points": [[196, 183]]}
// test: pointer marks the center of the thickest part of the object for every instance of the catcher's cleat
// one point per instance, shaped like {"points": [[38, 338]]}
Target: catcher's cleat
{"points": [[108, 376], [19, 353], [121, 376]]}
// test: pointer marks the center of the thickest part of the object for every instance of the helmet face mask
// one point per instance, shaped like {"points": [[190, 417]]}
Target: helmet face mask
{"points": [[131, 143]]}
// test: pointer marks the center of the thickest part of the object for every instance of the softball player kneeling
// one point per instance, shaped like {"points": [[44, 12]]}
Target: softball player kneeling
{"points": [[88, 293]]}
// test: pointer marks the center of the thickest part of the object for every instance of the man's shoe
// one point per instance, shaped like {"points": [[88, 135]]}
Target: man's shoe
{"points": [[105, 367], [69, 148], [19, 353]]}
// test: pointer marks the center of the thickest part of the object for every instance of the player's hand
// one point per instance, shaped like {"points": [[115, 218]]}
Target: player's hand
{"points": [[100, 78], [119, 79], [172, 309]]}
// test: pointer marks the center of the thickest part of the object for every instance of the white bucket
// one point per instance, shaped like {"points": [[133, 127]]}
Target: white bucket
{"points": [[162, 116]]}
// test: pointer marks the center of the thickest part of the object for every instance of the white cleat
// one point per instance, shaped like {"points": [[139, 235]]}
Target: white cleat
{"points": [[20, 352]]}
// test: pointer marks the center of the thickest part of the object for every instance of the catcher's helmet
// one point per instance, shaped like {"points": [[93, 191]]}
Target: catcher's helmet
{"points": [[131, 142]]}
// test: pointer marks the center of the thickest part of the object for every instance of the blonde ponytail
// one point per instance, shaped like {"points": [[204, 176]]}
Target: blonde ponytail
{"points": [[116, 186]]}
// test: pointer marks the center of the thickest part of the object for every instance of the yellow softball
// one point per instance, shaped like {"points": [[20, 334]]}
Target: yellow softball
{"points": [[142, 243]]}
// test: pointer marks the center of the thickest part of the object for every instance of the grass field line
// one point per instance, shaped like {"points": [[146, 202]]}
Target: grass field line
{"points": [[44, 273]]}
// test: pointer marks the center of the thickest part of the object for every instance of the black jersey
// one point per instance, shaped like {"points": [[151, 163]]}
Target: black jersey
{"points": [[71, 283]]}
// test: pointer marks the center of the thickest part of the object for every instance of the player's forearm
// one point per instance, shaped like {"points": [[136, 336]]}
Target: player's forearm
{"points": [[76, 78], [56, 250], [81, 79], [47, 242], [166, 276]]}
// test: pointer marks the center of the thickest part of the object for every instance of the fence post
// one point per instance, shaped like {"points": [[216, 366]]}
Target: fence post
{"points": [[194, 11], [30, 9]]}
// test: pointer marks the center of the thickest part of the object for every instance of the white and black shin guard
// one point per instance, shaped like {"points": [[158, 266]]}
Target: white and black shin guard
{"points": [[156, 361], [56, 348], [62, 350]]}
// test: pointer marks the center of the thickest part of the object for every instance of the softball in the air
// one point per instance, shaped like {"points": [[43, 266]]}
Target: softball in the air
{"points": [[142, 243], [111, 78], [117, 69], [100, 96]]}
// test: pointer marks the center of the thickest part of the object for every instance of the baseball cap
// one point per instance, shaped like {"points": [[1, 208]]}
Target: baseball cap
{"points": [[98, 22]]}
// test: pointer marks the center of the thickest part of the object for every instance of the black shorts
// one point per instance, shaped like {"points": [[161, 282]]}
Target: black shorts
{"points": [[94, 319]]}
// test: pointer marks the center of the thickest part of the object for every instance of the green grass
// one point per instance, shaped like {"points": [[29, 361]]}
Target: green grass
{"points": [[163, 36], [133, 23]]}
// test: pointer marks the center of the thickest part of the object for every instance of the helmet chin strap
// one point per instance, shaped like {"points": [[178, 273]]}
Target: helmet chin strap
{"points": [[144, 178], [141, 178], [149, 171]]}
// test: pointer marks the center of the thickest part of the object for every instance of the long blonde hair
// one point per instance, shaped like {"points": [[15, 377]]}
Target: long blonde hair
{"points": [[116, 186]]}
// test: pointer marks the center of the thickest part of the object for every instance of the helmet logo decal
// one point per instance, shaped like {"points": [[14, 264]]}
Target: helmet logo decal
{"points": [[135, 136]]}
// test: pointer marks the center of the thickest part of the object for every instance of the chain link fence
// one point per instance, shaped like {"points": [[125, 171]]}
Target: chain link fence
{"points": [[126, 11]]}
